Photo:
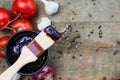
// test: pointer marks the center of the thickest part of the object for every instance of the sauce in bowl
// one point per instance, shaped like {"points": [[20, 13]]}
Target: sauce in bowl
{"points": [[13, 51]]}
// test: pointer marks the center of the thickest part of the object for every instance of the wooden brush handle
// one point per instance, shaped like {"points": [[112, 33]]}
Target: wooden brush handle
{"points": [[26, 57], [16, 76]]}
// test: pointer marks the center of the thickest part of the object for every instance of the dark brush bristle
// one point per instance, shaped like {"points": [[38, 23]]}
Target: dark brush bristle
{"points": [[55, 35]]}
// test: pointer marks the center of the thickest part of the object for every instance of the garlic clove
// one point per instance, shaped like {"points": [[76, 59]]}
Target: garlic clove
{"points": [[51, 7], [44, 23]]}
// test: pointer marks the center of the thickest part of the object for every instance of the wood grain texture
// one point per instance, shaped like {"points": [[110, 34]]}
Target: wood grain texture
{"points": [[96, 57]]}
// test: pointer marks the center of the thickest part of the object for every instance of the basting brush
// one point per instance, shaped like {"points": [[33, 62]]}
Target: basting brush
{"points": [[32, 51]]}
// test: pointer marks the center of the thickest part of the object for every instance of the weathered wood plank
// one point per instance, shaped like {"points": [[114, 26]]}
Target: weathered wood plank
{"points": [[94, 55]]}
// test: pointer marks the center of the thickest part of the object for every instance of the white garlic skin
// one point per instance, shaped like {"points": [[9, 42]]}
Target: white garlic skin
{"points": [[51, 7], [45, 22]]}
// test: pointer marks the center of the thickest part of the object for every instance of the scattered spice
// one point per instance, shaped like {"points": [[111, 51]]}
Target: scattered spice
{"points": [[91, 32], [99, 27], [112, 16], [60, 78], [89, 35], [100, 33], [80, 55], [100, 36], [60, 52], [69, 28], [118, 42], [4, 66], [74, 42], [76, 31], [104, 78], [73, 57], [78, 36], [82, 27], [80, 42], [97, 50], [100, 30], [59, 57], [73, 18], [90, 15], [115, 52], [67, 32], [94, 3], [65, 38], [74, 13], [69, 2]]}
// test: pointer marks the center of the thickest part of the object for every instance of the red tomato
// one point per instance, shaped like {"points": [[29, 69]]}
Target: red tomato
{"points": [[26, 7], [5, 17], [21, 24], [2, 54], [3, 41]]}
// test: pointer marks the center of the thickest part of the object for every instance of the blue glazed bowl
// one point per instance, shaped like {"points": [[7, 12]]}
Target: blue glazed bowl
{"points": [[12, 55]]}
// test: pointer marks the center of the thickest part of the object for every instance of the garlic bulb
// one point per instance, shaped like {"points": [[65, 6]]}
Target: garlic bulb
{"points": [[44, 23], [51, 7]]}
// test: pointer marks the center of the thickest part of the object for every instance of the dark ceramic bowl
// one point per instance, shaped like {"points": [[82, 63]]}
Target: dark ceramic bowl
{"points": [[12, 53]]}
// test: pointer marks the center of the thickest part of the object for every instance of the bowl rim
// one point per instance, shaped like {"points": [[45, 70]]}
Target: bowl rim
{"points": [[27, 74]]}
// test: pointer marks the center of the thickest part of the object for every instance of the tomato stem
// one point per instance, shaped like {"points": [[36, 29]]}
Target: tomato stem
{"points": [[6, 26], [1, 49], [9, 28]]}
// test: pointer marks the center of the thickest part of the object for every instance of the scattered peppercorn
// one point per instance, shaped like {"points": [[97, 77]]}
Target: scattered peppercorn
{"points": [[100, 36], [118, 42], [82, 27], [94, 3], [99, 27], [115, 52], [90, 15], [104, 78], [60, 52], [112, 16], [80, 55], [97, 50], [100, 33], [59, 57], [69, 2], [92, 32], [73, 57], [60, 78]]}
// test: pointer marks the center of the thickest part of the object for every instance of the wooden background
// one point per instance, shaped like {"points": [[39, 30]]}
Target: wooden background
{"points": [[90, 49]]}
